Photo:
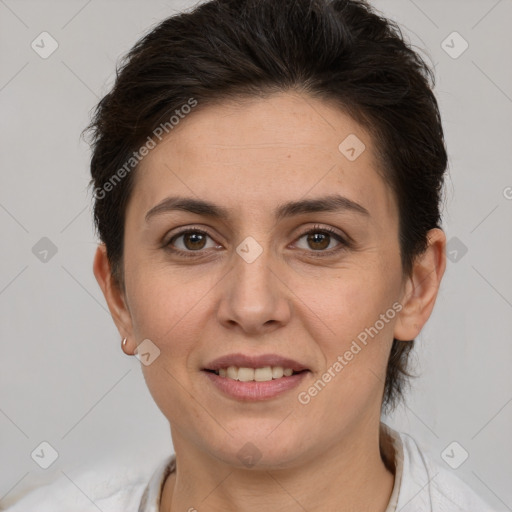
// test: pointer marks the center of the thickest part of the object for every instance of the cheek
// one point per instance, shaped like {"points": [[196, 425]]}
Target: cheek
{"points": [[168, 310], [357, 319], [163, 302], [350, 302]]}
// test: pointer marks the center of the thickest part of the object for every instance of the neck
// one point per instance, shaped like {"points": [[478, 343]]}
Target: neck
{"points": [[350, 476]]}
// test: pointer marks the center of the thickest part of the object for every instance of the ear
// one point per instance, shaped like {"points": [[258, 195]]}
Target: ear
{"points": [[420, 291], [114, 296]]}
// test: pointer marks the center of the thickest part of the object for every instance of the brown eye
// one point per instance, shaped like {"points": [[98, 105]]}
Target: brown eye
{"points": [[319, 241], [190, 241], [194, 241]]}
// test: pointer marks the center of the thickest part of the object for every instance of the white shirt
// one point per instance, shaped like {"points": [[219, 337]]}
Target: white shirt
{"points": [[421, 485]]}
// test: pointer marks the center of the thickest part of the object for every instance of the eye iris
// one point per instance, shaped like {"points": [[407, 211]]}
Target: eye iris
{"points": [[195, 240], [319, 241]]}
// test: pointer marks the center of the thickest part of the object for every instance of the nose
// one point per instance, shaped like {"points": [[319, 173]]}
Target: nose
{"points": [[254, 297]]}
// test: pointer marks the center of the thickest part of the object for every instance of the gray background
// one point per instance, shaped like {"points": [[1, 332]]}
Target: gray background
{"points": [[63, 376]]}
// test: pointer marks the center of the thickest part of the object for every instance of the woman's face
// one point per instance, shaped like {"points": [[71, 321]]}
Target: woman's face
{"points": [[265, 278]]}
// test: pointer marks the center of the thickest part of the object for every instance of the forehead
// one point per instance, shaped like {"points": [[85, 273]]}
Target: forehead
{"points": [[256, 153]]}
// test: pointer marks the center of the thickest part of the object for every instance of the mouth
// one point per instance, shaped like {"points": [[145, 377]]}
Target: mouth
{"points": [[259, 368], [262, 374], [260, 377]]}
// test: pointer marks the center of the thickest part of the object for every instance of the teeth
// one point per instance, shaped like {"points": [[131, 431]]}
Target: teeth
{"points": [[232, 372], [277, 372], [245, 374], [264, 374]]}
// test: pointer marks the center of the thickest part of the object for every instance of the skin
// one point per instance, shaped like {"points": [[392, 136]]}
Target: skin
{"points": [[250, 157]]}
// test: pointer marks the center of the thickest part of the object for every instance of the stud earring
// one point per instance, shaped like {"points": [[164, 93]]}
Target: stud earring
{"points": [[123, 345]]}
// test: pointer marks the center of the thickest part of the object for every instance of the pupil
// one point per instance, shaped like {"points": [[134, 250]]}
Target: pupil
{"points": [[196, 241], [319, 241]]}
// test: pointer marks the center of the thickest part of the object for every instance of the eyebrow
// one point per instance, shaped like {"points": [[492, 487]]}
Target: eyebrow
{"points": [[330, 203]]}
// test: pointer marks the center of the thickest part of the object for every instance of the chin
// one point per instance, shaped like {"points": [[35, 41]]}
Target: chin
{"points": [[262, 448]]}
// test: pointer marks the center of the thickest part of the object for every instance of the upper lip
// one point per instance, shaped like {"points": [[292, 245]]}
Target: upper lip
{"points": [[246, 361]]}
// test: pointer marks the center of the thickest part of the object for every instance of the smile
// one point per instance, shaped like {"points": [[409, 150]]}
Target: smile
{"points": [[263, 374]]}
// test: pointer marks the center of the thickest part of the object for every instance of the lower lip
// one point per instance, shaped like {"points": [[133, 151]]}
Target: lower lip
{"points": [[255, 390]]}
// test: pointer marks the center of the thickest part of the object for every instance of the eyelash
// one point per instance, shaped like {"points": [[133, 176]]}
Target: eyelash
{"points": [[343, 244]]}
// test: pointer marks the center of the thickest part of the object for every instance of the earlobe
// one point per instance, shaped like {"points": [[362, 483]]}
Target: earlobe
{"points": [[421, 289], [114, 297]]}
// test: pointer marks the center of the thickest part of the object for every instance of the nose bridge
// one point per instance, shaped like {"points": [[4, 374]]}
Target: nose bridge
{"points": [[252, 267], [254, 299], [252, 275]]}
